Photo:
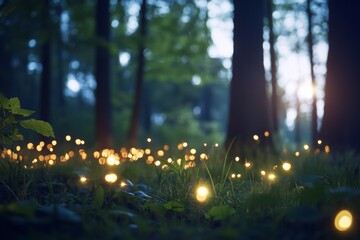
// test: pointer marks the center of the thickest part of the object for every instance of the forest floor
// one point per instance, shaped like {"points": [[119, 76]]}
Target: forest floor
{"points": [[197, 193]]}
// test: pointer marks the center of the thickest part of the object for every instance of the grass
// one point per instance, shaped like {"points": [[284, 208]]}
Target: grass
{"points": [[51, 191]]}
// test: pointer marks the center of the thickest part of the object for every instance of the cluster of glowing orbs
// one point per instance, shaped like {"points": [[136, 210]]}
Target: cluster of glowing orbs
{"points": [[202, 193], [343, 220]]}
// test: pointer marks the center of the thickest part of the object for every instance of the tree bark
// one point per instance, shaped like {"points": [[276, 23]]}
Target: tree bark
{"points": [[102, 75], [274, 94], [45, 82], [310, 43], [248, 111], [341, 128], [135, 118]]}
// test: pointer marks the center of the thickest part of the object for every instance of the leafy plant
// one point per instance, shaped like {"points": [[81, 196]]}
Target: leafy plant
{"points": [[13, 117]]}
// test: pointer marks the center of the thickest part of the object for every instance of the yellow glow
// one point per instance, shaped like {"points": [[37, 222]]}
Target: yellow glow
{"points": [[18, 148], [54, 142], [256, 137], [203, 156], [205, 144], [148, 140], [30, 146], [147, 151], [192, 157], [102, 161], [51, 162], [237, 159], [68, 138], [216, 145], [238, 175], [286, 166], [297, 154], [166, 147], [38, 148], [202, 193], [42, 143], [247, 164], [266, 134], [83, 179], [233, 175], [149, 160], [77, 141], [157, 163], [169, 160], [111, 177], [343, 220], [160, 153], [111, 160], [327, 149], [306, 147], [185, 144], [271, 177], [263, 173], [319, 141], [193, 151], [96, 154], [178, 161]]}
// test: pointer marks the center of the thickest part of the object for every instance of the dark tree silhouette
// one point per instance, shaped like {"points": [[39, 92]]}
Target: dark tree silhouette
{"points": [[45, 87], [135, 118], [274, 94], [341, 122], [102, 74], [248, 112], [310, 43]]}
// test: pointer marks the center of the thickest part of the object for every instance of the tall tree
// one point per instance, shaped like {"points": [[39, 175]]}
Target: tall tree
{"points": [[341, 120], [45, 87], [310, 43], [102, 75], [135, 118], [274, 94], [248, 112]]}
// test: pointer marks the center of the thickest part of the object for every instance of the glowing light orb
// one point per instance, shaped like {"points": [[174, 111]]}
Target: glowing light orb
{"points": [[256, 137], [68, 138], [111, 177], [343, 220], [237, 159], [306, 147], [202, 193], [157, 163], [272, 177], [83, 179], [263, 173], [247, 164], [266, 134], [286, 166], [111, 160]]}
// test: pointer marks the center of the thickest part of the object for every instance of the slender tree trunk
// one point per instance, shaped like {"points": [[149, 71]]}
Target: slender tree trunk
{"points": [[135, 118], [60, 66], [45, 87], [248, 111], [274, 95], [102, 74], [314, 118]]}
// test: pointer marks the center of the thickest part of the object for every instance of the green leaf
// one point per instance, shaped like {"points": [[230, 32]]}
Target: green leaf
{"points": [[14, 103], [99, 197], [220, 212], [174, 206], [22, 112], [39, 126]]}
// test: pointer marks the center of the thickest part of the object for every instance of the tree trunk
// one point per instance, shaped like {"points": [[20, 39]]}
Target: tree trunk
{"points": [[135, 118], [274, 94], [314, 117], [102, 75], [341, 128], [248, 111], [45, 87]]}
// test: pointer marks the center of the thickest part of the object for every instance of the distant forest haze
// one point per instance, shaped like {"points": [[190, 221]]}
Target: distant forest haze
{"points": [[115, 72]]}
